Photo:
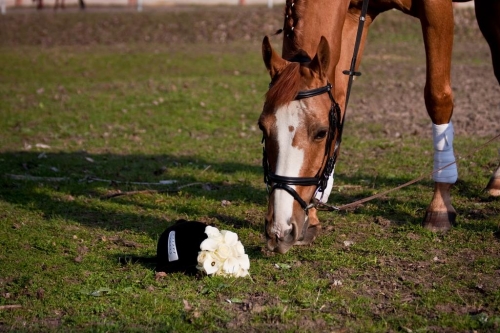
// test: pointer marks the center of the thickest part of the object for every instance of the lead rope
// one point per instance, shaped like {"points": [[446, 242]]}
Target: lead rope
{"points": [[330, 208]]}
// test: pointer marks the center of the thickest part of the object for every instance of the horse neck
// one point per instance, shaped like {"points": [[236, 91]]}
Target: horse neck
{"points": [[310, 20]]}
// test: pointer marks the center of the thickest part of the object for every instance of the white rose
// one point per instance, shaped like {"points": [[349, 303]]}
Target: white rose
{"points": [[244, 261], [208, 262], [223, 251], [213, 232], [209, 244], [231, 266], [238, 249], [230, 238], [201, 257]]}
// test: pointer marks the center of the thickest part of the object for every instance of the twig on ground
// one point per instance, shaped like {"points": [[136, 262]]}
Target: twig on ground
{"points": [[119, 194], [95, 179], [11, 306], [36, 179], [348, 186]]}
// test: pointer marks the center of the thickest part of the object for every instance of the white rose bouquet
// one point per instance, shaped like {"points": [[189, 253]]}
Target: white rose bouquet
{"points": [[222, 254]]}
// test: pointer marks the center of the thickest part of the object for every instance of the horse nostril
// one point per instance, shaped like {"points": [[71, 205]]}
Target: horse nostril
{"points": [[287, 233], [287, 236], [294, 231]]}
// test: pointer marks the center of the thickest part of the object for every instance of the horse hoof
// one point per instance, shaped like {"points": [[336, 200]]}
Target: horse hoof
{"points": [[439, 221], [493, 187], [311, 233]]}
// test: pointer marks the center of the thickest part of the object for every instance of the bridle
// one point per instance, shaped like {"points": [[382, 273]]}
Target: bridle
{"points": [[334, 137], [336, 124]]}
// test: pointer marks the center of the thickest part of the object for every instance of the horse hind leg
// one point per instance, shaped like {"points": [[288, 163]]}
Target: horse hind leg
{"points": [[493, 187], [487, 13]]}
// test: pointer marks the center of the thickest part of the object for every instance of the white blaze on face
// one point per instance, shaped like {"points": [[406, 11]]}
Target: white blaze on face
{"points": [[288, 164]]}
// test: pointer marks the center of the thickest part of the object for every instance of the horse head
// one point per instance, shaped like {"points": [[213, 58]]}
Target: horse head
{"points": [[299, 123]]}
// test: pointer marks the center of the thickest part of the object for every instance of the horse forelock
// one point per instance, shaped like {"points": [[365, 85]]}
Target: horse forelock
{"points": [[284, 88]]}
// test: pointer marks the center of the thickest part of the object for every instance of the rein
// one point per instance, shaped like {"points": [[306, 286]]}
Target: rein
{"points": [[336, 125]]}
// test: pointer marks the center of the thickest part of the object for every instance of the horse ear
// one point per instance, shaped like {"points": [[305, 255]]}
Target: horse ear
{"points": [[322, 58], [274, 63]]}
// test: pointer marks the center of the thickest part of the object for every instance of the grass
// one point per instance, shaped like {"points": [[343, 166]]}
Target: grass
{"points": [[151, 112]]}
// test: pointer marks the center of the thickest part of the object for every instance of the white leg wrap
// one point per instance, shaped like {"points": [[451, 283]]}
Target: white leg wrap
{"points": [[323, 196], [443, 153]]}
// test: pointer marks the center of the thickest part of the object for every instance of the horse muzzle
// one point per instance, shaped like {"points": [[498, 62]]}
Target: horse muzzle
{"points": [[282, 243]]}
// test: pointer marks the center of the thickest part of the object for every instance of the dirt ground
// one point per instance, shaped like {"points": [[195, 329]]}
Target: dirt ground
{"points": [[389, 68]]}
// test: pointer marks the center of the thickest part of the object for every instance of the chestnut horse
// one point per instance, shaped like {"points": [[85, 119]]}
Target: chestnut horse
{"points": [[303, 112]]}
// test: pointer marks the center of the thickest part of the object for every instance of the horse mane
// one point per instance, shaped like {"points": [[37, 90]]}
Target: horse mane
{"points": [[284, 86], [294, 11]]}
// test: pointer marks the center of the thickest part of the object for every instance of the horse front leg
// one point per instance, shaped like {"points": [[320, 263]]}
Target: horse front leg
{"points": [[436, 18]]}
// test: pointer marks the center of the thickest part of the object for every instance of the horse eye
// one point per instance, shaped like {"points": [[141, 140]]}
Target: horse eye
{"points": [[321, 135]]}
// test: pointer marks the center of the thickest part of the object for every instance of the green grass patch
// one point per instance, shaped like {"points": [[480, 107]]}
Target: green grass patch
{"points": [[90, 121]]}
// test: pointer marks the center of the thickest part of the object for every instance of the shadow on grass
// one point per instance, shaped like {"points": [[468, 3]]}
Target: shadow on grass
{"points": [[78, 200]]}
